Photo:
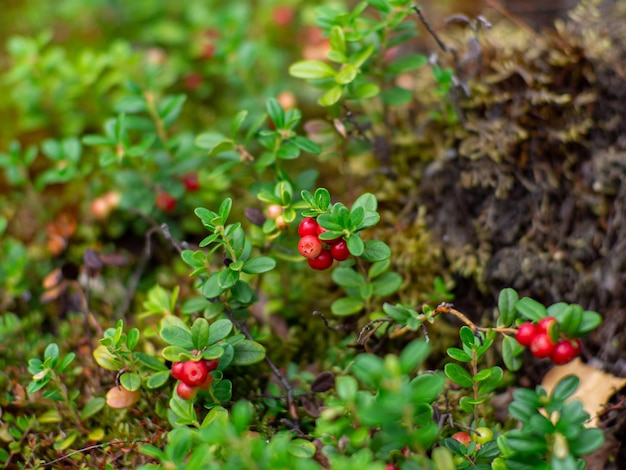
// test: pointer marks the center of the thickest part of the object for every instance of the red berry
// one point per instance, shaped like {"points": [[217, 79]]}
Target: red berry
{"points": [[186, 392], [323, 261], [211, 364], [308, 226], [463, 437], [565, 350], [194, 373], [310, 246], [340, 250], [390, 466], [207, 382], [545, 323], [177, 370], [165, 202], [526, 332], [190, 180], [541, 346]]}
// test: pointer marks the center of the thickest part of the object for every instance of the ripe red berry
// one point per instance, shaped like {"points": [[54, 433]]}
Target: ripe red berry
{"points": [[165, 202], [545, 324], [207, 382], [541, 346], [310, 246], [565, 350], [190, 180], [323, 261], [340, 250], [177, 370], [211, 364], [463, 437], [526, 332], [308, 226], [194, 373], [186, 392]]}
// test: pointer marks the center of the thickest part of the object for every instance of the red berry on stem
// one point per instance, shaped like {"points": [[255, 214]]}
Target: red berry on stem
{"points": [[165, 202], [310, 246], [323, 261], [545, 323], [565, 350], [207, 382], [186, 392], [177, 370], [541, 346], [340, 250], [463, 437], [211, 364], [190, 180], [308, 226], [526, 332], [194, 373]]}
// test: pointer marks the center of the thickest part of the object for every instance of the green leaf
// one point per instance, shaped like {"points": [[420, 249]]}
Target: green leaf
{"points": [[214, 142], [183, 409], [365, 90], [238, 122], [346, 306], [337, 39], [355, 245], [362, 55], [301, 448], [376, 250], [506, 305], [413, 355], [347, 388], [386, 284], [211, 288], [307, 145], [132, 338], [407, 63], [531, 309], [459, 355], [219, 330], [331, 96], [158, 379], [347, 277], [590, 321], [177, 336], [51, 354], [458, 375], [425, 388], [224, 210], [382, 5], [490, 384], [511, 353], [200, 333], [346, 74], [258, 265], [227, 278], [565, 387], [589, 440], [396, 96], [248, 352], [130, 381], [311, 69], [276, 112], [93, 406]]}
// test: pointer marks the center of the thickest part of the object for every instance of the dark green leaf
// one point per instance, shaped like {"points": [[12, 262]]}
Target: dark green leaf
{"points": [[347, 277], [376, 250], [458, 375], [459, 355], [531, 309], [219, 330], [258, 265], [276, 112], [150, 361], [200, 333], [413, 355], [248, 352], [386, 284], [506, 305], [211, 287], [511, 353], [355, 245], [407, 63], [565, 387]]}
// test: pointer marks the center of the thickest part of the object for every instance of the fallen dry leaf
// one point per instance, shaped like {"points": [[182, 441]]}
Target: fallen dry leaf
{"points": [[595, 389], [119, 397]]}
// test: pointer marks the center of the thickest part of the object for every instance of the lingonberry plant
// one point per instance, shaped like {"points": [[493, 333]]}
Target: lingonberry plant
{"points": [[288, 330]]}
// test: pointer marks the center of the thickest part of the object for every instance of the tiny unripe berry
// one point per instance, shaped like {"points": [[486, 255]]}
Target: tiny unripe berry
{"points": [[310, 246], [483, 435], [322, 262], [281, 224], [274, 210], [308, 226], [185, 391]]}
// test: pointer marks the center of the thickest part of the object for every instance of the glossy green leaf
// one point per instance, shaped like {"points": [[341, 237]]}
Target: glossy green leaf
{"points": [[130, 381], [355, 245], [158, 379], [311, 69], [258, 265], [565, 387], [531, 309], [512, 353], [219, 330], [248, 352], [506, 306], [413, 355], [346, 306], [458, 375]]}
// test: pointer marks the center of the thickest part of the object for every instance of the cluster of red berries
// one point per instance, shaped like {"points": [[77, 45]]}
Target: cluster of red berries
{"points": [[320, 253], [539, 338], [193, 376]]}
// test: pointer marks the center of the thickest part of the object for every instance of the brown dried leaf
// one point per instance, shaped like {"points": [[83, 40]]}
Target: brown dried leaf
{"points": [[323, 382], [595, 389]]}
